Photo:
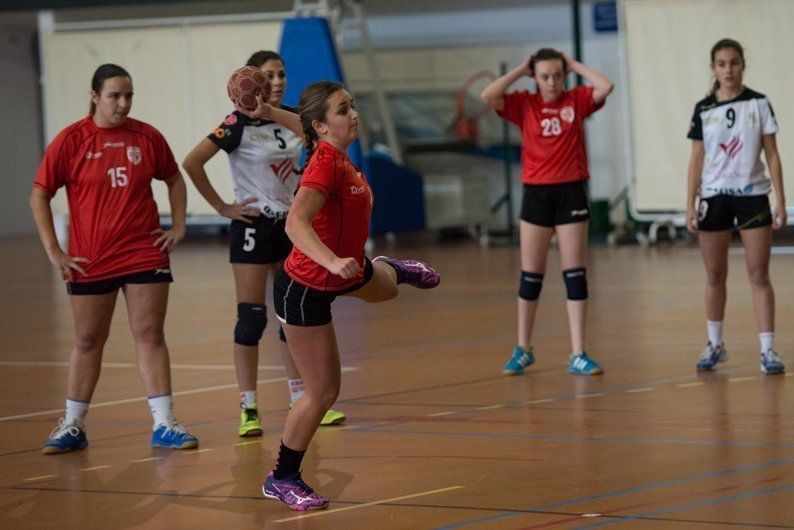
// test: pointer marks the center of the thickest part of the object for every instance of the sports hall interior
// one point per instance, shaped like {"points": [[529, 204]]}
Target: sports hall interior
{"points": [[436, 436]]}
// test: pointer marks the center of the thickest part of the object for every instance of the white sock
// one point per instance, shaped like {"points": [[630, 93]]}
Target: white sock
{"points": [[248, 399], [162, 408], [296, 390], [76, 411], [715, 332], [767, 340]]}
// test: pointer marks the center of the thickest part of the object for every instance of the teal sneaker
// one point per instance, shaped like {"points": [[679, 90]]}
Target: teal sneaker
{"points": [[520, 360], [583, 365], [65, 438], [173, 437]]}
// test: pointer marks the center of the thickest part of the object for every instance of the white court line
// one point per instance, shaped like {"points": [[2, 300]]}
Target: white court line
{"points": [[638, 390], [213, 367], [94, 468], [775, 250], [739, 379], [148, 459], [143, 398], [687, 385]]}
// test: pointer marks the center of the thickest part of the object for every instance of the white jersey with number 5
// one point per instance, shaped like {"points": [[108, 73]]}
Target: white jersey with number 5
{"points": [[731, 132]]}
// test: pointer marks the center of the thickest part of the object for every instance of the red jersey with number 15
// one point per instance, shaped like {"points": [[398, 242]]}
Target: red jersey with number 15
{"points": [[342, 223], [553, 147], [108, 174]]}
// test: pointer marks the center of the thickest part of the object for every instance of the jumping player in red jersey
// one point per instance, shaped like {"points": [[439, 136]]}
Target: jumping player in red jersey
{"points": [[328, 225], [729, 129], [263, 155], [107, 162], [554, 172]]}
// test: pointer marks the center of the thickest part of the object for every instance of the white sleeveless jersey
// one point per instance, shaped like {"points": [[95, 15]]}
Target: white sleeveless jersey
{"points": [[731, 133], [263, 156]]}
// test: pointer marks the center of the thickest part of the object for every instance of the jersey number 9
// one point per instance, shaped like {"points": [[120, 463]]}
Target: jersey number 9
{"points": [[731, 116]]}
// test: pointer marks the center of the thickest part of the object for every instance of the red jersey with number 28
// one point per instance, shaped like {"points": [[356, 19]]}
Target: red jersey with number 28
{"points": [[108, 174], [553, 147], [342, 223]]}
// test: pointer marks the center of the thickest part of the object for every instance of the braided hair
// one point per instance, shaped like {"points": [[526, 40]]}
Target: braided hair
{"points": [[313, 106]]}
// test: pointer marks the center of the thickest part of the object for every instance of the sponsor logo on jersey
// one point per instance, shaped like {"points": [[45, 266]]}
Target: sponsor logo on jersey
{"points": [[357, 190], [162, 271], [259, 137], [221, 132], [112, 144], [703, 209], [93, 156], [549, 111], [231, 119], [283, 170], [733, 147], [579, 213], [134, 155], [567, 113]]}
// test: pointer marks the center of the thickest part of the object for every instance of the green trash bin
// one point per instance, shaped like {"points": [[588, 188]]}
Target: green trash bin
{"points": [[599, 218]]}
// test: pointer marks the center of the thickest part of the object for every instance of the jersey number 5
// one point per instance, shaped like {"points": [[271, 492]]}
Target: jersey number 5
{"points": [[551, 126], [250, 242], [118, 176], [281, 142]]}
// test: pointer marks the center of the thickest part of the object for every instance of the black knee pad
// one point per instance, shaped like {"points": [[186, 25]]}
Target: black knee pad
{"points": [[531, 283], [281, 336], [251, 323], [576, 283]]}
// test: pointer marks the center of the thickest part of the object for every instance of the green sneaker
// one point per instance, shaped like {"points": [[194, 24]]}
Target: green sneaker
{"points": [[249, 422], [333, 417]]}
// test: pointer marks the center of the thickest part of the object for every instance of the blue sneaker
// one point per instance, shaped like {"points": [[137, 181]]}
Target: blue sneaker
{"points": [[770, 363], [65, 438], [520, 360], [583, 365], [173, 437], [711, 356]]}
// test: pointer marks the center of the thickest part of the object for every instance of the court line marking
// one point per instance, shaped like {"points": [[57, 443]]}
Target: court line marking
{"points": [[211, 367], [41, 477], [546, 400], [687, 385], [94, 468], [491, 407], [247, 443], [447, 413], [585, 396], [626, 491], [143, 398], [197, 451], [637, 391], [739, 379], [690, 506], [148, 459], [368, 504]]}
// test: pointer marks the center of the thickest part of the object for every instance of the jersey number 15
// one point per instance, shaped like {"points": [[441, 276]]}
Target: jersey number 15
{"points": [[118, 176]]}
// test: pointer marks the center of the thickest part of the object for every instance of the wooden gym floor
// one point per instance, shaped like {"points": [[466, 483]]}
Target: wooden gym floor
{"points": [[436, 437]]}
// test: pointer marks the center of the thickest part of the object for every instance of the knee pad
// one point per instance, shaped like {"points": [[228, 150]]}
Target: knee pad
{"points": [[531, 283], [576, 283], [251, 323], [281, 336]]}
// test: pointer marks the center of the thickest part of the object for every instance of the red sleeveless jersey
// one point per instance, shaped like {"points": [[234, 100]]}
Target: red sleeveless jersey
{"points": [[108, 174], [553, 149], [342, 223]]}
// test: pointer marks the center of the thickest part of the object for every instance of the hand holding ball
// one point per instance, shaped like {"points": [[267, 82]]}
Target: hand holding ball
{"points": [[243, 86]]}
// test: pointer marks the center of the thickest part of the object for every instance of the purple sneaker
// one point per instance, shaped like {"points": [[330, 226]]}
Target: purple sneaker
{"points": [[413, 272], [293, 492]]}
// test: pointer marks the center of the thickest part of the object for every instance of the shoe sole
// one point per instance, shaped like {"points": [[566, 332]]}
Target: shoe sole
{"points": [[334, 422], [250, 434], [772, 372], [266, 494], [186, 445], [52, 450], [512, 372], [594, 372]]}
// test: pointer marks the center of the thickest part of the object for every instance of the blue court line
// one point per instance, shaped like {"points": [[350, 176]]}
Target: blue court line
{"points": [[572, 438], [694, 505], [635, 489]]}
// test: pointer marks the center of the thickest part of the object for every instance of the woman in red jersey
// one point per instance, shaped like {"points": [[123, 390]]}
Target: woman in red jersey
{"points": [[328, 225], [106, 162], [554, 172]]}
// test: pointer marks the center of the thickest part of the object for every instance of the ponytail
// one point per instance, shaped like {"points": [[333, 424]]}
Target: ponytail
{"points": [[105, 71]]}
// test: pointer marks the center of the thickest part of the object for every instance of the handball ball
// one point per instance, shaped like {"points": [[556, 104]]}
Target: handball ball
{"points": [[244, 84]]}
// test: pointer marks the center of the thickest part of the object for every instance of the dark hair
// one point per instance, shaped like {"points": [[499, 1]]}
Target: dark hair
{"points": [[105, 71], [259, 58], [546, 54], [313, 105], [721, 45]]}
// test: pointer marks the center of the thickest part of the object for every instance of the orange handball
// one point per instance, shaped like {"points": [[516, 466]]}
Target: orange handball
{"points": [[244, 84]]}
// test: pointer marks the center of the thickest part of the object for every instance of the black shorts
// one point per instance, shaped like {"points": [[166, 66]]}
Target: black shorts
{"points": [[113, 284], [723, 212], [298, 305], [262, 242], [555, 204]]}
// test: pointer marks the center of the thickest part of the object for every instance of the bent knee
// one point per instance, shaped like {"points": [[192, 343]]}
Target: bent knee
{"points": [[716, 277], [759, 278]]}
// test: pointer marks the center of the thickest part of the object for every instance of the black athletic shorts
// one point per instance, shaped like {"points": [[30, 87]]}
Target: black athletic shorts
{"points": [[555, 204], [723, 212], [112, 284], [299, 305], [262, 242]]}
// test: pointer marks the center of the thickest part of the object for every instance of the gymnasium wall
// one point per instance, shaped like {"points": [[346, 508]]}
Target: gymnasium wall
{"points": [[667, 46]]}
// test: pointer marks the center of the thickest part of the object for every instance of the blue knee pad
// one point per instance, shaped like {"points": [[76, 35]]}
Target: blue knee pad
{"points": [[531, 283], [251, 323], [281, 336], [576, 283]]}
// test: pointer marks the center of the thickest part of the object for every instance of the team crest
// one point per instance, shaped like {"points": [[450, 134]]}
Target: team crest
{"points": [[567, 114], [231, 119], [134, 155]]}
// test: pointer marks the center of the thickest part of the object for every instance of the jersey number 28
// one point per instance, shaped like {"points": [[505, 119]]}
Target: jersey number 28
{"points": [[551, 126]]}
